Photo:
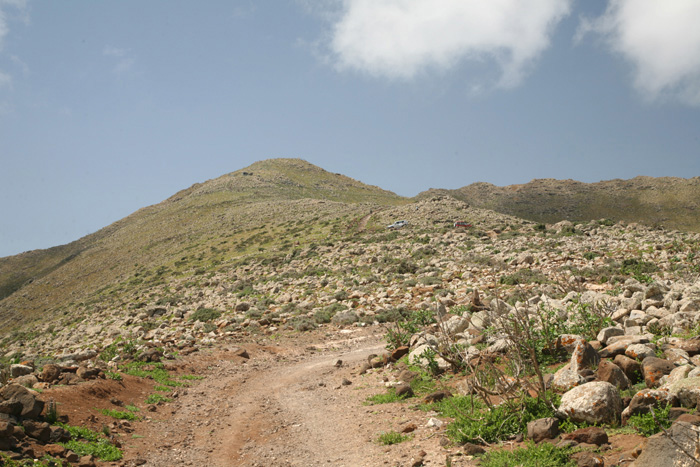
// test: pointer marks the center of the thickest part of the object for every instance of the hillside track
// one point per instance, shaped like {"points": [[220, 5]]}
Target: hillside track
{"points": [[285, 406]]}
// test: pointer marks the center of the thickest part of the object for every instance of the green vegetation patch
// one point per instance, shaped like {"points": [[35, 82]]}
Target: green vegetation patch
{"points": [[476, 423], [87, 442], [385, 398], [154, 371], [523, 276], [645, 423], [156, 398], [392, 437], [205, 315], [120, 414], [534, 455]]}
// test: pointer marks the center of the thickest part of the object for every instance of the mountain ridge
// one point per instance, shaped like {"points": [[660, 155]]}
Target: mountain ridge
{"points": [[218, 218]]}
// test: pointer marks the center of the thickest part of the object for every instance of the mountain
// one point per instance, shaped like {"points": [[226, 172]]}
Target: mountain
{"points": [[667, 202], [275, 206], [216, 218]]}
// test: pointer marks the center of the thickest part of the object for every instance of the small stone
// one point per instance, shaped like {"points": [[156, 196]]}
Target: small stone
{"points": [[411, 427], [434, 422], [403, 390]]}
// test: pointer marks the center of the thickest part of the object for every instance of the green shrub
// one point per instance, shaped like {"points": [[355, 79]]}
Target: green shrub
{"points": [[156, 398], [119, 414], [645, 423], [51, 414], [87, 442], [151, 370], [392, 437], [406, 325], [302, 324], [384, 398], [523, 276], [474, 422], [534, 455], [638, 269], [205, 315], [405, 267]]}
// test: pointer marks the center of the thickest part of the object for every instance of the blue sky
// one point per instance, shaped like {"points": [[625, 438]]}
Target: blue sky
{"points": [[107, 107]]}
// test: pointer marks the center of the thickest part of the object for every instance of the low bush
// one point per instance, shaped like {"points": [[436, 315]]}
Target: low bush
{"points": [[646, 425], [205, 315], [476, 423]]}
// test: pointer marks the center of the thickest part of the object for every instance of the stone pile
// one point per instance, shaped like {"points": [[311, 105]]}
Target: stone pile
{"points": [[25, 435]]}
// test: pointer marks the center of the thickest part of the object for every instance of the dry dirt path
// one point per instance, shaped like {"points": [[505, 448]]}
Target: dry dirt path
{"points": [[284, 406]]}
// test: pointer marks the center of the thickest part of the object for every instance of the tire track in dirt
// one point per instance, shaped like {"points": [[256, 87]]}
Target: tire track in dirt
{"points": [[275, 410]]}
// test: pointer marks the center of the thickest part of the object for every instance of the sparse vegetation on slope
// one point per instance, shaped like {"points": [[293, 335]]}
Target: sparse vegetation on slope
{"points": [[666, 201]]}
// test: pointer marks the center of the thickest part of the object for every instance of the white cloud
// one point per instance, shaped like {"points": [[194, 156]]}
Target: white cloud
{"points": [[662, 41], [5, 79], [19, 7], [125, 62], [403, 38]]}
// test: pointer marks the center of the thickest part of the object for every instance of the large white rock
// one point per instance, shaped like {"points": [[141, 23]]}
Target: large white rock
{"points": [[595, 402]]}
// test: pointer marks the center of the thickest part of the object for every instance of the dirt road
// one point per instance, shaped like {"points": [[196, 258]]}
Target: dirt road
{"points": [[281, 407]]}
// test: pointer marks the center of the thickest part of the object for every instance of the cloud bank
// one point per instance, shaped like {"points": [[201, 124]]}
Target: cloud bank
{"points": [[662, 41], [399, 39]]}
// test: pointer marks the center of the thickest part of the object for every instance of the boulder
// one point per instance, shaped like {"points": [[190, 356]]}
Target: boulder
{"points": [[639, 351], [691, 346], [26, 380], [543, 428], [31, 404], [660, 451], [590, 435], [676, 355], [611, 373], [646, 398], [404, 390], [50, 373], [631, 367], [595, 402], [17, 370], [687, 390], [456, 324], [583, 356], [607, 333], [86, 373], [41, 431], [654, 368], [399, 352]]}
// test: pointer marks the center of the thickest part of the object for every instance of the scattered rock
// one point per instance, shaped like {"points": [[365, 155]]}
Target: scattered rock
{"points": [[595, 402], [543, 428]]}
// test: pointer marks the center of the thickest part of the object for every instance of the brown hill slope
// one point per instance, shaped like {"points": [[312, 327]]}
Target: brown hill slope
{"points": [[667, 201], [217, 218]]}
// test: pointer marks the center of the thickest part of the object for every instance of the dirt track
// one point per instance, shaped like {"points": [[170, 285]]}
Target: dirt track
{"points": [[284, 406]]}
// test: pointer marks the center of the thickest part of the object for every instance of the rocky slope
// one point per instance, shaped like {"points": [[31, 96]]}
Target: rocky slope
{"points": [[617, 304], [666, 201]]}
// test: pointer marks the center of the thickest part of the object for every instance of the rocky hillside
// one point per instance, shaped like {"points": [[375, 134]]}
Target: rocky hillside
{"points": [[599, 319], [666, 202], [215, 221]]}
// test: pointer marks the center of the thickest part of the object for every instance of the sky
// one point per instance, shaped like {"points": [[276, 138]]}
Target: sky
{"points": [[108, 107]]}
